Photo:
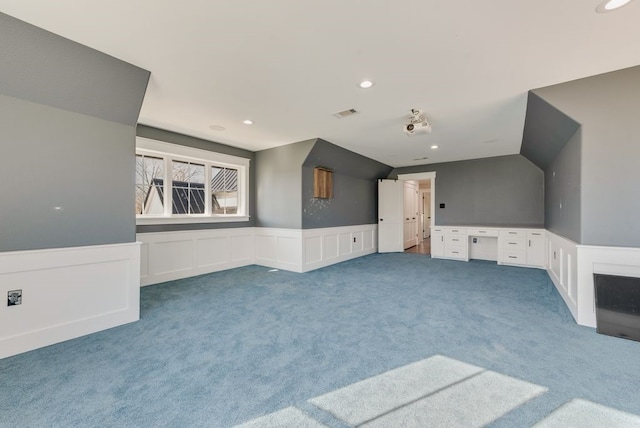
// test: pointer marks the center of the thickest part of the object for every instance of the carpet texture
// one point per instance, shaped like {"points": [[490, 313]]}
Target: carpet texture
{"points": [[289, 417], [226, 348]]}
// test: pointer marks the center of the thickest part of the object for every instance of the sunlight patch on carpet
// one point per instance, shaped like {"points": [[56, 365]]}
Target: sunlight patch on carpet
{"points": [[434, 392], [288, 417], [364, 400], [474, 402], [585, 414]]}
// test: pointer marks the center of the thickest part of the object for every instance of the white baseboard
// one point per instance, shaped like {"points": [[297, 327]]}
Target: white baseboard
{"points": [[167, 256], [67, 293]]}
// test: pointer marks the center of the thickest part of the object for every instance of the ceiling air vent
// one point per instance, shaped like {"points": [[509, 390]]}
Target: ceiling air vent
{"points": [[345, 113], [424, 158]]}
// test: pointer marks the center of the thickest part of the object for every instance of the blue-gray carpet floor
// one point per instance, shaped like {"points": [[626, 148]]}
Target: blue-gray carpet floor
{"points": [[225, 348]]}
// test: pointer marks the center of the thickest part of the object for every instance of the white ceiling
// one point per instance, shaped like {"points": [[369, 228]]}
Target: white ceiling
{"points": [[290, 64]]}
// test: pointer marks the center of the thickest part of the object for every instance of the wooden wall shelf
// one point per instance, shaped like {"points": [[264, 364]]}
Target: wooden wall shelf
{"points": [[322, 182]]}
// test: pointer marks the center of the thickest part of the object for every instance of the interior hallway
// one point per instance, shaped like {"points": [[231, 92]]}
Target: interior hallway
{"points": [[423, 247]]}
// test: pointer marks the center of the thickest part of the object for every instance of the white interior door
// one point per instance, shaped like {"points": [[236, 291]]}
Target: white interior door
{"points": [[410, 212], [390, 216], [426, 214]]}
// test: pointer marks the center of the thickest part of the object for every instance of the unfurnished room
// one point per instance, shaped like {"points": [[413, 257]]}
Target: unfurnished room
{"points": [[320, 214]]}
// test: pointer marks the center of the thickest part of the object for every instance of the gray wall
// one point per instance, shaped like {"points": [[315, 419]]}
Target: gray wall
{"points": [[279, 185], [608, 109], [546, 131], [562, 191], [184, 140], [45, 68], [499, 191], [355, 190], [67, 115], [55, 158]]}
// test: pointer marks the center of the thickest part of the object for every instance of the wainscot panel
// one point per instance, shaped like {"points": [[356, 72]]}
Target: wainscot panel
{"points": [[167, 256], [278, 248], [330, 245], [67, 293], [562, 255]]}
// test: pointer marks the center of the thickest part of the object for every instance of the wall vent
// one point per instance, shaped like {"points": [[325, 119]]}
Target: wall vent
{"points": [[345, 113]]}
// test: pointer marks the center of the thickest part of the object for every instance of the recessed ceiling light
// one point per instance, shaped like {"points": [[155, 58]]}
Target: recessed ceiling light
{"points": [[435, 146], [248, 122], [217, 128], [610, 5], [366, 84]]}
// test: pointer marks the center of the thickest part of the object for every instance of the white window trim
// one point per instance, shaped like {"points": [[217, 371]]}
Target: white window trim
{"points": [[170, 152]]}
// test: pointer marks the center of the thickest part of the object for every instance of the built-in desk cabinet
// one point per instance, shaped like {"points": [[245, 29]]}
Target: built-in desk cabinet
{"points": [[450, 243], [519, 247]]}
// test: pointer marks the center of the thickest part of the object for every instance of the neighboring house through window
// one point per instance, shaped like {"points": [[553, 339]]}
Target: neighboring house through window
{"points": [[181, 184]]}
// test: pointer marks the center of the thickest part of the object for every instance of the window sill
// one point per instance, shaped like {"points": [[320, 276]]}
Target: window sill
{"points": [[141, 221]]}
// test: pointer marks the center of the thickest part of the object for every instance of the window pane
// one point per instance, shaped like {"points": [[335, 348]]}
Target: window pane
{"points": [[188, 188], [224, 190], [149, 185]]}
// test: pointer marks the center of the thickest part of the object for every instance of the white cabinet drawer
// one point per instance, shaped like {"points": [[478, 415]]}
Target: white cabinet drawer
{"points": [[454, 240], [455, 252], [455, 231], [513, 233], [516, 243], [517, 258], [482, 232]]}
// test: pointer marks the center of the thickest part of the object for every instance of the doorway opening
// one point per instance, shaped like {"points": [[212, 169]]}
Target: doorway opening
{"points": [[422, 244], [418, 201]]}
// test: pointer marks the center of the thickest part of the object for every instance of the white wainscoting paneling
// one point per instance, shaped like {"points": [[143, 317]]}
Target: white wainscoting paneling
{"points": [[67, 293], [562, 268], [326, 246], [278, 248], [571, 268], [166, 256], [605, 260], [308, 249]]}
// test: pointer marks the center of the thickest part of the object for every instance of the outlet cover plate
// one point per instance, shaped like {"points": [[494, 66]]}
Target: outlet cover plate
{"points": [[14, 297]]}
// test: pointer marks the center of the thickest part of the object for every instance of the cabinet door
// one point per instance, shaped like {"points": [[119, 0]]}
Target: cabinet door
{"points": [[437, 244], [535, 249]]}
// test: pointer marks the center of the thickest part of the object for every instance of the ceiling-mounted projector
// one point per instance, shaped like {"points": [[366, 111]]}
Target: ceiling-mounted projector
{"points": [[417, 124]]}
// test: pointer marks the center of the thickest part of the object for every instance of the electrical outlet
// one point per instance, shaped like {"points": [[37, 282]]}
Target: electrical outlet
{"points": [[14, 297]]}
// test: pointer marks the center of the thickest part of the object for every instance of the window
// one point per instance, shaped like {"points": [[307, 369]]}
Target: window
{"points": [[177, 184], [224, 186]]}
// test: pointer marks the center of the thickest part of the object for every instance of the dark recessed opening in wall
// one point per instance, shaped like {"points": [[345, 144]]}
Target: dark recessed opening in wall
{"points": [[618, 306]]}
